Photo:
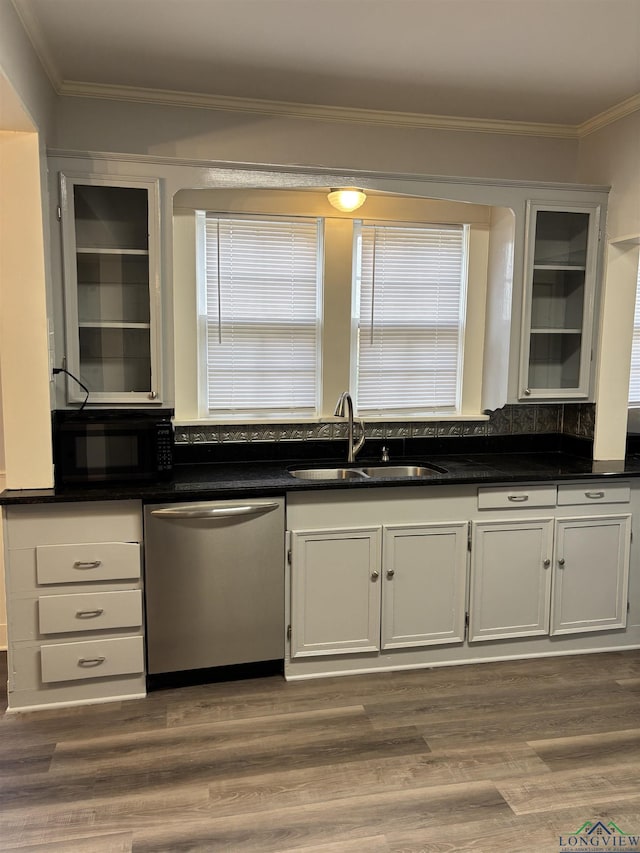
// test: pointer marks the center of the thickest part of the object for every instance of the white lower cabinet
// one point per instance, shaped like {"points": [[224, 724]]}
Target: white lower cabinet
{"points": [[377, 588], [591, 574], [383, 579], [335, 591], [424, 584], [546, 576], [74, 590], [510, 578]]}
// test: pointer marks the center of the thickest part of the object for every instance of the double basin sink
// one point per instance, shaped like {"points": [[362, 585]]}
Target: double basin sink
{"points": [[368, 471]]}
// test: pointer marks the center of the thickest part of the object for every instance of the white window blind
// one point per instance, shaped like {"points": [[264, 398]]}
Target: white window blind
{"points": [[634, 383], [262, 316], [411, 284]]}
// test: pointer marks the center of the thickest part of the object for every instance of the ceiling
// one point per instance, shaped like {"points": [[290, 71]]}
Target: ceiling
{"points": [[540, 61]]}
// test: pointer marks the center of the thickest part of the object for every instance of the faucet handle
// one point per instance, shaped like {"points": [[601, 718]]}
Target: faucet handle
{"points": [[385, 454]]}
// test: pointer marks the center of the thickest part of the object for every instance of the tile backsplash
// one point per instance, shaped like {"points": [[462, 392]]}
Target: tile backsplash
{"points": [[575, 419]]}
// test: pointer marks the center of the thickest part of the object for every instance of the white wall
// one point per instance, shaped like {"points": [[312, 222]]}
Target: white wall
{"points": [[612, 156], [27, 114], [22, 68], [87, 124]]}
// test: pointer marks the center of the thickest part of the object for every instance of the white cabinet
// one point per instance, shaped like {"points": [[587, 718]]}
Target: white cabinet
{"points": [[74, 593], [335, 591], [562, 575], [424, 584], [510, 578], [110, 231], [591, 574], [561, 264], [345, 599]]}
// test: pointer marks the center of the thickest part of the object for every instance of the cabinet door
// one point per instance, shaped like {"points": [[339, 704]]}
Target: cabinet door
{"points": [[591, 573], [111, 277], [424, 572], [335, 591], [560, 285], [510, 579]]}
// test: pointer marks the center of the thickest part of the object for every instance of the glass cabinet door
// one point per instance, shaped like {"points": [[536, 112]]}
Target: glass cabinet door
{"points": [[110, 238], [560, 278]]}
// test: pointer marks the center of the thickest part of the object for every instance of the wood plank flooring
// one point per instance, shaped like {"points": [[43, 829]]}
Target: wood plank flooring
{"points": [[491, 758]]}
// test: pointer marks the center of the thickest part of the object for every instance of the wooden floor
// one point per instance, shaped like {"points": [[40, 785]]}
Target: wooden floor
{"points": [[492, 758]]}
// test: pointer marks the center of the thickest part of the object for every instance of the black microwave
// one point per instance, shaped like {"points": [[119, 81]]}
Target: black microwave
{"points": [[112, 446]]}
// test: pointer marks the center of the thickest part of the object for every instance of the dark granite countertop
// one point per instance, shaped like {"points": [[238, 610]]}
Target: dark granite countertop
{"points": [[223, 480]]}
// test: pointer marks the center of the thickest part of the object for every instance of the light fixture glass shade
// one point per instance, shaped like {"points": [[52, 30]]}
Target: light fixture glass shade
{"points": [[346, 199]]}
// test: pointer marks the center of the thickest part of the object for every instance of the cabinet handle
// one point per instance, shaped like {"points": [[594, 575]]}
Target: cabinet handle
{"points": [[375, 575], [153, 395], [88, 564], [518, 499], [390, 573], [89, 614], [91, 661], [547, 563], [527, 392], [594, 495], [561, 561]]}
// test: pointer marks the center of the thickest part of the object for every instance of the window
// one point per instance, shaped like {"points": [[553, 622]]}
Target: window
{"points": [[260, 317], [409, 312], [634, 383]]}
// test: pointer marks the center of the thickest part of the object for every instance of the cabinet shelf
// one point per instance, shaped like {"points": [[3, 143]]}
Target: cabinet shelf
{"points": [[556, 331], [97, 251], [104, 324], [567, 267]]}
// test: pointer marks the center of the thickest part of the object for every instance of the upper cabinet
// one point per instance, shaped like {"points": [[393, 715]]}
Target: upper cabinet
{"points": [[560, 275], [110, 231]]}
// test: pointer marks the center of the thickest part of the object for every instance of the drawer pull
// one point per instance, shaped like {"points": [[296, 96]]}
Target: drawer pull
{"points": [[89, 614], [594, 495], [89, 564], [91, 661], [518, 499]]}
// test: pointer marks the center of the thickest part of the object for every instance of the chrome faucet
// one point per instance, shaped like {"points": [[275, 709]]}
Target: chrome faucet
{"points": [[345, 401]]}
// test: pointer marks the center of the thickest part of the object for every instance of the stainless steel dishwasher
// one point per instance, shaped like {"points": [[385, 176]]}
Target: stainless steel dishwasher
{"points": [[214, 581]]}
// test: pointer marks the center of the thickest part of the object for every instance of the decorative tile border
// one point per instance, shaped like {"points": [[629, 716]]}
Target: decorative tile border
{"points": [[573, 419]]}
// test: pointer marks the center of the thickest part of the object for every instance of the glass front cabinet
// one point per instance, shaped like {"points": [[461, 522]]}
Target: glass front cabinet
{"points": [[561, 260], [110, 232]]}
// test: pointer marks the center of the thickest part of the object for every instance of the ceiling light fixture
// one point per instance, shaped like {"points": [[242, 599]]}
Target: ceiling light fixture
{"points": [[346, 199]]}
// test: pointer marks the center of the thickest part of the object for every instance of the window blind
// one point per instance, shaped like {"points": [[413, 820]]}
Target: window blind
{"points": [[262, 316], [634, 382], [411, 283]]}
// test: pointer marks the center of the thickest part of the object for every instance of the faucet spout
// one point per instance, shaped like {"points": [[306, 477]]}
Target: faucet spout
{"points": [[344, 409]]}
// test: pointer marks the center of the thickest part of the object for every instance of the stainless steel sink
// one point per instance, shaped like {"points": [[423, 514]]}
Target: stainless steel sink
{"points": [[328, 474], [388, 471], [385, 472]]}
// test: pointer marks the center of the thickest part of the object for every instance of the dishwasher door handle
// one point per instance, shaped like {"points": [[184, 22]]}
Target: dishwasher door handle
{"points": [[214, 511]]}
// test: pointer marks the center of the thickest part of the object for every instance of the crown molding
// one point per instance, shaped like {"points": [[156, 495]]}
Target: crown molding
{"points": [[168, 97], [71, 88], [615, 113]]}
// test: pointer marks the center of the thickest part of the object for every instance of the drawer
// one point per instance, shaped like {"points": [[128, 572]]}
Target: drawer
{"points": [[594, 493], [516, 497], [92, 659], [57, 524], [97, 611], [87, 562]]}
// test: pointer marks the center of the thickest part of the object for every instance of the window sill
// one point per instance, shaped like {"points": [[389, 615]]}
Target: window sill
{"points": [[329, 419]]}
